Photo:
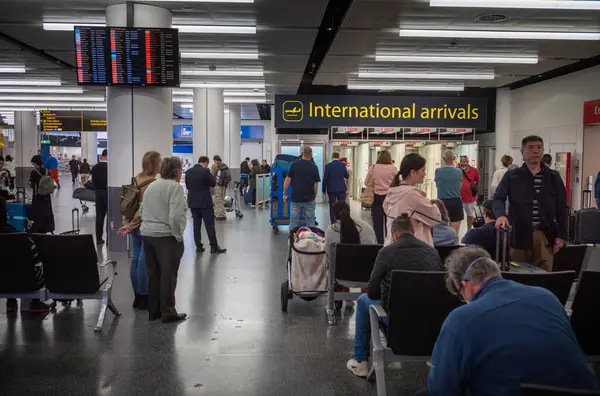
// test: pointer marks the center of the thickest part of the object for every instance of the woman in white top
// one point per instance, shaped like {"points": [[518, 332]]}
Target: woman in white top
{"points": [[506, 161]]}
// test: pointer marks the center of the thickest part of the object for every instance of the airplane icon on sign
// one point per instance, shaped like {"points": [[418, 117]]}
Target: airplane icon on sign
{"points": [[293, 111]]}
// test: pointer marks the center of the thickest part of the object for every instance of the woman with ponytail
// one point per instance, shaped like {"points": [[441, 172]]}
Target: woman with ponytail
{"points": [[404, 197], [345, 229]]}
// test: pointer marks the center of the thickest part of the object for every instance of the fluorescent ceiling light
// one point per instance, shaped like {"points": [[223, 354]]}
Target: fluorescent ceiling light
{"points": [[244, 93], [187, 106], [66, 26], [223, 73], [34, 90], [522, 4], [406, 87], [12, 69], [429, 76], [58, 104], [243, 100], [470, 58], [215, 29], [229, 85], [23, 82], [54, 98], [219, 55], [499, 34], [185, 92], [201, 1], [182, 99]]}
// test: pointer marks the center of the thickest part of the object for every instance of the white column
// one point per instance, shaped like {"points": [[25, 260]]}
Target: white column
{"points": [[26, 138], [89, 147], [503, 125], [139, 119], [209, 128], [235, 141], [226, 143]]}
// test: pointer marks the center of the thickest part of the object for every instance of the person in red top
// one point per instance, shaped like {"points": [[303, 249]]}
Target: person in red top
{"points": [[467, 195]]}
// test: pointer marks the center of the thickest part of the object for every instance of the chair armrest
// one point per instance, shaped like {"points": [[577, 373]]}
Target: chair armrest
{"points": [[107, 262], [376, 313]]}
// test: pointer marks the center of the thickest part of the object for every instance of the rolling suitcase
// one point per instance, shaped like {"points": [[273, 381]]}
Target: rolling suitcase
{"points": [[18, 215], [503, 255]]}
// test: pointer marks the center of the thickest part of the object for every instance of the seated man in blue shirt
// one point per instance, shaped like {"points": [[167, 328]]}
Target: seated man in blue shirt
{"points": [[509, 334], [484, 236]]}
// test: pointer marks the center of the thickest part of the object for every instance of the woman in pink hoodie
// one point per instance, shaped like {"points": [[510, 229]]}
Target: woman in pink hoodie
{"points": [[382, 173], [404, 197]]}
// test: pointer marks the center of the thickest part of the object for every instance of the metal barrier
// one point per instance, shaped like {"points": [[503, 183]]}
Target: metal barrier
{"points": [[263, 190]]}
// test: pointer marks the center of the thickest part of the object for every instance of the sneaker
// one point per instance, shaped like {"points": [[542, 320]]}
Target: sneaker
{"points": [[360, 369], [12, 305], [217, 249], [200, 249], [221, 218]]}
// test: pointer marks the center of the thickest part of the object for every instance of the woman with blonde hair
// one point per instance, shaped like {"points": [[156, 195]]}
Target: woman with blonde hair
{"points": [[138, 271], [382, 175]]}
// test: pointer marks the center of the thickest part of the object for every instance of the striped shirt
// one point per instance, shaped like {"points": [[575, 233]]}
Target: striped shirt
{"points": [[537, 186]]}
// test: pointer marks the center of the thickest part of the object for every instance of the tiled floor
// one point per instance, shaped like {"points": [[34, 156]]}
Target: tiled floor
{"points": [[235, 341]]}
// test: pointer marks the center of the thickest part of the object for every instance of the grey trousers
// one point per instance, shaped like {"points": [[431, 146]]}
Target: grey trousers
{"points": [[163, 256]]}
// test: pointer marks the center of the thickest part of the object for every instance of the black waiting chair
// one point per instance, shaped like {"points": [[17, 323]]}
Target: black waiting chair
{"points": [[18, 279], [418, 304], [350, 266], [559, 283], [585, 318], [445, 251], [72, 271], [538, 390], [571, 258]]}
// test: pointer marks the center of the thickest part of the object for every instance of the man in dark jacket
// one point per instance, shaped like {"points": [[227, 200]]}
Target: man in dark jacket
{"points": [[538, 207], [405, 253], [484, 236], [74, 168], [198, 181], [245, 166], [335, 182], [100, 181]]}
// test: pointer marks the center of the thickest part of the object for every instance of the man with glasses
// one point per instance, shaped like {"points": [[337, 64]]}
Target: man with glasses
{"points": [[538, 210], [507, 335]]}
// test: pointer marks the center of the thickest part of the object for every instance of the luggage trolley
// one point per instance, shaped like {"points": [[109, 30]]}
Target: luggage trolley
{"points": [[287, 287], [280, 209], [233, 203]]}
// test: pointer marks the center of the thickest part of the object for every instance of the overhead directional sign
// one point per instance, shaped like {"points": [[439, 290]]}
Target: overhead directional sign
{"points": [[325, 111]]}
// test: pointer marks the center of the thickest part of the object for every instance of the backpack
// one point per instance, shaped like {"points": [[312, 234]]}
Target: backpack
{"points": [[45, 185], [223, 175], [129, 203]]}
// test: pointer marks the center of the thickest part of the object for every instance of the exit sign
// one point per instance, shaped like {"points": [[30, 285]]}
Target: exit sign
{"points": [[45, 141]]}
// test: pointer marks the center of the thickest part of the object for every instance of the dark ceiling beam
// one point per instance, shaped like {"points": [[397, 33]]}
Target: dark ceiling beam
{"points": [[35, 51], [332, 20]]}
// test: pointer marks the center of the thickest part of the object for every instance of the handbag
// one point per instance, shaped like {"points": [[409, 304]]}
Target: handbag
{"points": [[367, 196], [474, 188]]}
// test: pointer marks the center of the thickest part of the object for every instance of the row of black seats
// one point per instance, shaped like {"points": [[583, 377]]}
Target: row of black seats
{"points": [[71, 270]]}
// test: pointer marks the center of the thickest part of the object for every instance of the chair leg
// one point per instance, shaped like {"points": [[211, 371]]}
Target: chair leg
{"points": [[379, 368], [112, 308], [102, 314]]}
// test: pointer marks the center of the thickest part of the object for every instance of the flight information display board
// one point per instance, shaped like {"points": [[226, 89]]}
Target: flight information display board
{"points": [[72, 121], [127, 56]]}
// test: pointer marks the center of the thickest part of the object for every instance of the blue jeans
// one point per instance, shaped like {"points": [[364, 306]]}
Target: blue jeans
{"points": [[333, 198], [309, 213], [138, 271], [362, 338]]}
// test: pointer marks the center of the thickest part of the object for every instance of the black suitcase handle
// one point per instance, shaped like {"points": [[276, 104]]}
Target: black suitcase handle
{"points": [[502, 246]]}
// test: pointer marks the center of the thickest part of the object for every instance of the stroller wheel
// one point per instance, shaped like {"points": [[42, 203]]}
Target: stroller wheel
{"points": [[284, 296]]}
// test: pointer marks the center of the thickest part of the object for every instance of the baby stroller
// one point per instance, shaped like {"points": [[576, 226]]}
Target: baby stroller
{"points": [[306, 267]]}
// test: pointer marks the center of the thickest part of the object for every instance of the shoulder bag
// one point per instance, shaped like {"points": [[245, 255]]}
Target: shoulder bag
{"points": [[367, 196], [474, 188]]}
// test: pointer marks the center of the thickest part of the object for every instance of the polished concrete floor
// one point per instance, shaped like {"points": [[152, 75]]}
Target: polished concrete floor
{"points": [[236, 341]]}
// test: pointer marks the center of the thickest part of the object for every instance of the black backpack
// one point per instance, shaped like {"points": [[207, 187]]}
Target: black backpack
{"points": [[223, 175]]}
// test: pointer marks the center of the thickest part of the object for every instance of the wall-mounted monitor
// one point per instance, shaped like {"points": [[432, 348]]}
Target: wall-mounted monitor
{"points": [[127, 56]]}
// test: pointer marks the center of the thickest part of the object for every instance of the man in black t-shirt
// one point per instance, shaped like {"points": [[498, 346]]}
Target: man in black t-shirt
{"points": [[304, 179], [100, 181]]}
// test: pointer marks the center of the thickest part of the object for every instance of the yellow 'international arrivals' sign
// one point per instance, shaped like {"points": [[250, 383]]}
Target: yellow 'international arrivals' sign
{"points": [[323, 111]]}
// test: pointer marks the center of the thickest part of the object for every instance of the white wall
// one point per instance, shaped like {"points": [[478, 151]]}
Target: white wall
{"points": [[269, 137], [553, 110]]}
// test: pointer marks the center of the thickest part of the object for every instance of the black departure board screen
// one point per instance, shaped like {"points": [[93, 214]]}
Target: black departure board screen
{"points": [[127, 56], [72, 121]]}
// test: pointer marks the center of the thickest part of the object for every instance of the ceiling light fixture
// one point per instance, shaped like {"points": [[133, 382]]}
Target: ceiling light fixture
{"points": [[215, 29], [66, 26], [223, 73], [499, 34], [587, 5], [187, 105], [488, 75], [57, 104], [24, 82], [244, 93], [55, 98], [178, 99], [50, 107], [224, 85], [12, 69], [203, 1], [405, 87], [34, 90], [188, 54], [468, 58], [243, 100], [184, 92]]}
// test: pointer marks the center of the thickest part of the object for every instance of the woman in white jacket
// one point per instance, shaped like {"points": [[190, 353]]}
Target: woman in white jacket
{"points": [[506, 161]]}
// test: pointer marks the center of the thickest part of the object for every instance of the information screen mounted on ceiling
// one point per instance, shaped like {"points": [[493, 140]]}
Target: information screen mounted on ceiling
{"points": [[127, 56], [72, 121]]}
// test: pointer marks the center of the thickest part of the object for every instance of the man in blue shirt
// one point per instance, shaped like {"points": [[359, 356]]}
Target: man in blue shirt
{"points": [[448, 180], [335, 181], [304, 178], [484, 236], [52, 165], [509, 334]]}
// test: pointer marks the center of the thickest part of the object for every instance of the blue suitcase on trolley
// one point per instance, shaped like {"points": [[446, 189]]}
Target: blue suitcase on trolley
{"points": [[18, 215]]}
